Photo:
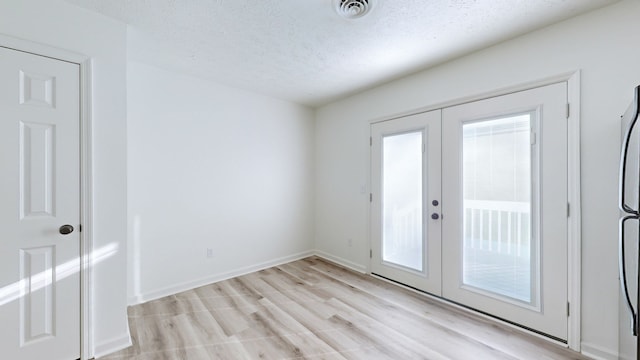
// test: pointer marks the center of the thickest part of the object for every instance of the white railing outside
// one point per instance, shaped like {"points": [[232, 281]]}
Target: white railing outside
{"points": [[501, 227]]}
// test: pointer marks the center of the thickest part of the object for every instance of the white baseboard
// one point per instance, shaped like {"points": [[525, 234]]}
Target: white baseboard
{"points": [[188, 285], [341, 261], [111, 346], [598, 352]]}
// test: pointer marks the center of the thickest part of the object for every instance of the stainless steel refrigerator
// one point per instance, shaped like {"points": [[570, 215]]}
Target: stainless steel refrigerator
{"points": [[629, 236]]}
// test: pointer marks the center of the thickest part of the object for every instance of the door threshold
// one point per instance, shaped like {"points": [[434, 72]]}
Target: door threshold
{"points": [[484, 315]]}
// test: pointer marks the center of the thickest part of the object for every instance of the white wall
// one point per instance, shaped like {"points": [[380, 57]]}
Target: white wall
{"points": [[213, 167], [603, 44], [58, 24]]}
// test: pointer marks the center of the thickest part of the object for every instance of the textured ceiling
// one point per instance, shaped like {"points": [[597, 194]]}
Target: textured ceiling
{"points": [[302, 51]]}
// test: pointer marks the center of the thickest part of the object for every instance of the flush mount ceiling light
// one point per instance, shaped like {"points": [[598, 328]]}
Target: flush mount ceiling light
{"points": [[353, 9]]}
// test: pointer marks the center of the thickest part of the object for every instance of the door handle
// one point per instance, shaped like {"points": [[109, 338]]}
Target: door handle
{"points": [[623, 155], [435, 216], [623, 274], [66, 229]]}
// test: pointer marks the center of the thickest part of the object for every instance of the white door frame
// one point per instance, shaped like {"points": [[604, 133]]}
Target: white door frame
{"points": [[574, 220], [86, 177]]}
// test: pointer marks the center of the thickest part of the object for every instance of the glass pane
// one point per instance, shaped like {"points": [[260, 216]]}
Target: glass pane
{"points": [[402, 237], [497, 173]]}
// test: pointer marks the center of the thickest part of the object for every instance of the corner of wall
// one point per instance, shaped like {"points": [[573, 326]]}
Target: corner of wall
{"points": [[342, 261]]}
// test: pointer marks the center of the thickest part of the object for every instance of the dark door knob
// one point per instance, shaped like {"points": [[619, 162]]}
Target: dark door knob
{"points": [[435, 216], [66, 229]]}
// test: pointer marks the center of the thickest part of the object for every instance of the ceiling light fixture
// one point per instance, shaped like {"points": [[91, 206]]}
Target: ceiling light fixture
{"points": [[353, 9]]}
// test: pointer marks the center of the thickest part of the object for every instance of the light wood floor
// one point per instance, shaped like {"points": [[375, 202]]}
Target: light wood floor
{"points": [[314, 309]]}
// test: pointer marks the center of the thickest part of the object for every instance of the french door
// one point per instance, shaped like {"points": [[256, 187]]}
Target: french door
{"points": [[497, 239]]}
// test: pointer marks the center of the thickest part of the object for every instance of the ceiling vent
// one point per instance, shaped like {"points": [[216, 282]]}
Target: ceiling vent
{"points": [[353, 9]]}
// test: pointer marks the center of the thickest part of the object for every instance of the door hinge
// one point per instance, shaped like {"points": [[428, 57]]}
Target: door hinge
{"points": [[370, 253], [568, 110], [568, 309], [370, 197], [370, 141], [80, 228], [533, 138], [568, 210]]}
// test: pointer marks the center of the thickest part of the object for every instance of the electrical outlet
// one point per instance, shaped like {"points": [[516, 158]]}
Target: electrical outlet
{"points": [[209, 253]]}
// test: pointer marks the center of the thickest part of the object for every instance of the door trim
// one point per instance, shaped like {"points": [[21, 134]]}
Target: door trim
{"points": [[574, 220], [86, 177], [574, 261]]}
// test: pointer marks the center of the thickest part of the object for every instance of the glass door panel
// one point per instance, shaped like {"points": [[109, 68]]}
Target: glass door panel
{"points": [[402, 234], [499, 242]]}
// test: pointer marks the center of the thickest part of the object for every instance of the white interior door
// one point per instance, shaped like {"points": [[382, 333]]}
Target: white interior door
{"points": [[505, 207], [40, 192], [405, 200]]}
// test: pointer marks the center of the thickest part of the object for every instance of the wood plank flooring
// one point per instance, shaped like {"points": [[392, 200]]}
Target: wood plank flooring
{"points": [[314, 309]]}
